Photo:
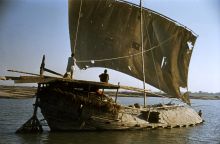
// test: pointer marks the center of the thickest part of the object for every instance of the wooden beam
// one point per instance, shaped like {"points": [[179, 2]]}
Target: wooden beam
{"points": [[134, 89], [53, 72], [141, 90], [116, 95], [80, 83], [11, 78], [34, 79], [23, 72]]}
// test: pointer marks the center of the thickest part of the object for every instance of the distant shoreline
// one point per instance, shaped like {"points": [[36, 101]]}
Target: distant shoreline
{"points": [[22, 92], [193, 96], [17, 92]]}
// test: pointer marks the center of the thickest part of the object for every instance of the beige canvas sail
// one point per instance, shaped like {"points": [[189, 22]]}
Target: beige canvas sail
{"points": [[106, 33]]}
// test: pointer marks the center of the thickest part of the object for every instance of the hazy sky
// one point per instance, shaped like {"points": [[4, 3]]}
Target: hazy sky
{"points": [[31, 28]]}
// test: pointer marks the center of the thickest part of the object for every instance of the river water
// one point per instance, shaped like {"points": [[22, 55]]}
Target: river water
{"points": [[13, 113]]}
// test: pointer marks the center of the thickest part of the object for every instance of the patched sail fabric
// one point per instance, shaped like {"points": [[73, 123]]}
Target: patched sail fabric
{"points": [[106, 33]]}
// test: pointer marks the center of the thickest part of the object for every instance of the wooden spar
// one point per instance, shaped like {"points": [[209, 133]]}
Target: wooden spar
{"points": [[23, 72], [42, 68], [142, 51], [11, 78], [80, 83], [30, 79], [45, 69], [53, 72], [89, 90], [140, 90], [116, 95], [33, 79], [133, 89]]}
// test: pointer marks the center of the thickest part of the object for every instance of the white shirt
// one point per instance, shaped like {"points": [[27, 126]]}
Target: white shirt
{"points": [[71, 64]]}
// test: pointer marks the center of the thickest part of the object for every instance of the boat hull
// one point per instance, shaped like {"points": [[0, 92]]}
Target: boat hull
{"points": [[78, 110]]}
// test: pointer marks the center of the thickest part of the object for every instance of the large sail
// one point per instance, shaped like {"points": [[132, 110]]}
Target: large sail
{"points": [[106, 33]]}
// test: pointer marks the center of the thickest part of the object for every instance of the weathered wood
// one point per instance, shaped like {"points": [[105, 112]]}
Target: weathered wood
{"points": [[53, 72], [66, 108], [16, 71], [33, 125], [116, 95], [42, 66], [80, 83], [140, 90], [85, 84], [11, 78], [33, 79]]}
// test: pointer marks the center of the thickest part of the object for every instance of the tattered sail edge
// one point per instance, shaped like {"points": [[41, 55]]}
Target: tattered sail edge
{"points": [[152, 11]]}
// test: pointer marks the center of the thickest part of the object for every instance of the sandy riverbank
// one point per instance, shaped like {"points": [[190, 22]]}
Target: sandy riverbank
{"points": [[17, 92], [192, 96]]}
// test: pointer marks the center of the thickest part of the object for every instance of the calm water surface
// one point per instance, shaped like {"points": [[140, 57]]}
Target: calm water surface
{"points": [[13, 113]]}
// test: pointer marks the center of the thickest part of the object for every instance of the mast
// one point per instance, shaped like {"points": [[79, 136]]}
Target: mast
{"points": [[142, 52]]}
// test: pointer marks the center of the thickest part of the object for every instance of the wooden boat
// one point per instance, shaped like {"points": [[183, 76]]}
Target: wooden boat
{"points": [[79, 105], [128, 38]]}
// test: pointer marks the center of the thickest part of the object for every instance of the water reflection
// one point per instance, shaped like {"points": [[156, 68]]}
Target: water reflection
{"points": [[13, 113], [159, 136]]}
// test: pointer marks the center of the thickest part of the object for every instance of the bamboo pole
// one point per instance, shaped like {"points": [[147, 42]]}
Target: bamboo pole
{"points": [[53, 72], [116, 95], [142, 51], [23, 72], [42, 66]]}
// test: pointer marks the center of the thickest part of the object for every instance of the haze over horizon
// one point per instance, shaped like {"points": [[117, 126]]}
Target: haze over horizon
{"points": [[31, 28]]}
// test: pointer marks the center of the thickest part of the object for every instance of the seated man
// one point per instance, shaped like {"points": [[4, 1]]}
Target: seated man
{"points": [[104, 77]]}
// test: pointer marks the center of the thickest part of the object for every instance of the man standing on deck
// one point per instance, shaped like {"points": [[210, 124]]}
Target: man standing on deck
{"points": [[104, 77], [70, 67]]}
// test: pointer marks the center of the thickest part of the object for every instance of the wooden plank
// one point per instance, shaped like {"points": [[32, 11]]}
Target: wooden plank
{"points": [[141, 90], [86, 84], [134, 89], [53, 72], [33, 79], [11, 78], [79, 83], [23, 72]]}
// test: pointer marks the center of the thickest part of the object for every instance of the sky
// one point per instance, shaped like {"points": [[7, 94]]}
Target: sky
{"points": [[31, 28]]}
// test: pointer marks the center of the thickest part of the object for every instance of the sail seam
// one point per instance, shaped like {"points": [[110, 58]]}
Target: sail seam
{"points": [[122, 57]]}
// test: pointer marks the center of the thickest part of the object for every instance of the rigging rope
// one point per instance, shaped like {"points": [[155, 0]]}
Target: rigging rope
{"points": [[158, 80], [77, 27], [128, 56]]}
